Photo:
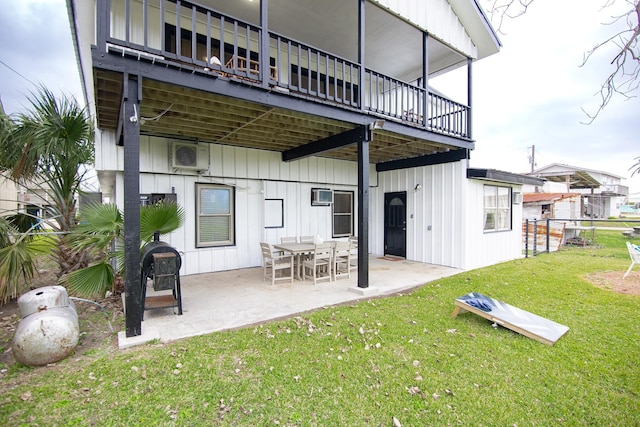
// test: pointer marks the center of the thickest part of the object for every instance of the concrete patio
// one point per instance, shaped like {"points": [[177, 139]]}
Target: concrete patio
{"points": [[232, 299]]}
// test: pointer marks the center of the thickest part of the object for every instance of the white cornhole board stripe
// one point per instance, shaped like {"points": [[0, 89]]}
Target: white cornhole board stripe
{"points": [[514, 318]]}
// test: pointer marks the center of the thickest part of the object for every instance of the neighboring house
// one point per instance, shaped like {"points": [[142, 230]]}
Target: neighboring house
{"points": [[27, 198], [562, 207], [8, 191], [602, 192], [551, 205], [254, 115]]}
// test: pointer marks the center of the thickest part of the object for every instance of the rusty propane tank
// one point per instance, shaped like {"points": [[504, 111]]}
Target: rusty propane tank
{"points": [[48, 331]]}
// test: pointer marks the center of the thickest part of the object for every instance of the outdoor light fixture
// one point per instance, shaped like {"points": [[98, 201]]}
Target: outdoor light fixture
{"points": [[378, 124], [418, 187]]}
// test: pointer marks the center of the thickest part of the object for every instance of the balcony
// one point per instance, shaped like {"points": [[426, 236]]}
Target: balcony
{"points": [[216, 48], [613, 190]]}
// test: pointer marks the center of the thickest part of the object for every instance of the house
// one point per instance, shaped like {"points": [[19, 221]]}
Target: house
{"points": [[602, 192], [275, 118], [551, 205], [564, 208], [8, 191], [27, 197]]}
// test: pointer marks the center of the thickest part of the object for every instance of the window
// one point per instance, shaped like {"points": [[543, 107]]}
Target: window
{"points": [[497, 208], [215, 207], [342, 213]]}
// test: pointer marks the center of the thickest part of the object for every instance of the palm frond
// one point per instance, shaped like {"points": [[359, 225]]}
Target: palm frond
{"points": [[97, 218], [161, 217], [90, 282], [17, 266]]}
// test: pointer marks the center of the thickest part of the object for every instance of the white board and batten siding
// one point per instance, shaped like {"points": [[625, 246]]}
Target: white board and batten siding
{"points": [[445, 218], [435, 226], [257, 175], [483, 248]]}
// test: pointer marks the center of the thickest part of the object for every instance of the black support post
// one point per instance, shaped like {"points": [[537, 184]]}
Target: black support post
{"points": [[103, 13], [425, 78], [131, 133], [265, 48], [361, 47], [363, 210], [469, 93]]}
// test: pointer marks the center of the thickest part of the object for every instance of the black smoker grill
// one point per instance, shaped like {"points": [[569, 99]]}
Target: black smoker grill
{"points": [[161, 263]]}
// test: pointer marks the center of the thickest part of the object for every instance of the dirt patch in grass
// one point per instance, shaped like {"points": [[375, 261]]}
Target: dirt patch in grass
{"points": [[612, 280]]}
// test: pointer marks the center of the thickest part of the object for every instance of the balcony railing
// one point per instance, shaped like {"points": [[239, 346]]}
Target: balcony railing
{"points": [[227, 46]]}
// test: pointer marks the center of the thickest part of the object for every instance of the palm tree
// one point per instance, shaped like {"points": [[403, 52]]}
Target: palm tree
{"points": [[17, 260], [47, 147], [100, 233], [635, 167]]}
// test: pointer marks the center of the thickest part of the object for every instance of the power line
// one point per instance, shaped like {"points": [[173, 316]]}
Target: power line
{"points": [[12, 69]]}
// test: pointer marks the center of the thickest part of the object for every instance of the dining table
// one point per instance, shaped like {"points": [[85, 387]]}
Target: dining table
{"points": [[297, 250]]}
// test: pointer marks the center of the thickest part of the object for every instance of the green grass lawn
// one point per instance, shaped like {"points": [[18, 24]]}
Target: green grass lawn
{"points": [[366, 363]]}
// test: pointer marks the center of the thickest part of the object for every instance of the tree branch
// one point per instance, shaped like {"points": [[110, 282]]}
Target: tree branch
{"points": [[624, 80]]}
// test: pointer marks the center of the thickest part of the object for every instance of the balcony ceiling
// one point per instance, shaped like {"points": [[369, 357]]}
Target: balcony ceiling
{"points": [[195, 115], [393, 47]]}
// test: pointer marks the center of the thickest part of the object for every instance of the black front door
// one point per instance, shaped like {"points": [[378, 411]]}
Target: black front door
{"points": [[395, 224]]}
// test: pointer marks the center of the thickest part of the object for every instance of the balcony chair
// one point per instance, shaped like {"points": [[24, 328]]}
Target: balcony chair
{"points": [[342, 259], [273, 261], [634, 252], [320, 263], [252, 69]]}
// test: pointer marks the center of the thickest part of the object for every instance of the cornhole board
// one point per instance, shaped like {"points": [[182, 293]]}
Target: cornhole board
{"points": [[528, 324]]}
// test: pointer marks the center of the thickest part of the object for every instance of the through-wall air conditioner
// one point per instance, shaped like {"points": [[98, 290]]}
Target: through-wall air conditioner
{"points": [[191, 156], [517, 198], [321, 197]]}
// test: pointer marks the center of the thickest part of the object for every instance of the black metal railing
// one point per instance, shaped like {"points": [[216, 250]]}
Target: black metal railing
{"points": [[191, 34], [311, 71]]}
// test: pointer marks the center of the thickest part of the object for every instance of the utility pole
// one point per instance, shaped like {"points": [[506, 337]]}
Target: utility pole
{"points": [[532, 158]]}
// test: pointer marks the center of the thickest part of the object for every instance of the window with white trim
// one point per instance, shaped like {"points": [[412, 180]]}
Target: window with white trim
{"points": [[342, 213], [215, 215], [497, 208]]}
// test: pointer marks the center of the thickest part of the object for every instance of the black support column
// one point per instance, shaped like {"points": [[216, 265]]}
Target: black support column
{"points": [[361, 47], [363, 210], [469, 93], [425, 78], [131, 133], [265, 47]]}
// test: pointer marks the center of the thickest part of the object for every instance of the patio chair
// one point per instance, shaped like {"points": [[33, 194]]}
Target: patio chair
{"points": [[273, 261], [293, 239], [306, 239], [320, 263], [634, 253], [341, 259], [353, 263]]}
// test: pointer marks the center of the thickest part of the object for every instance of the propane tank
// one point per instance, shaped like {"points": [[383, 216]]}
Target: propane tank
{"points": [[48, 331]]}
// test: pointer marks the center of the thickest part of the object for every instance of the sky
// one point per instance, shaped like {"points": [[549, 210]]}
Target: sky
{"points": [[531, 94]]}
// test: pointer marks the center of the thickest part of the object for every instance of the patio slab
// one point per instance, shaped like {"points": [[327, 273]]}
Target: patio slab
{"points": [[231, 299]]}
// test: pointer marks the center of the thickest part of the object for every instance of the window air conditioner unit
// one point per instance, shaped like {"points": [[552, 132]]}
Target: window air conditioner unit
{"points": [[517, 198], [321, 197], [189, 156]]}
